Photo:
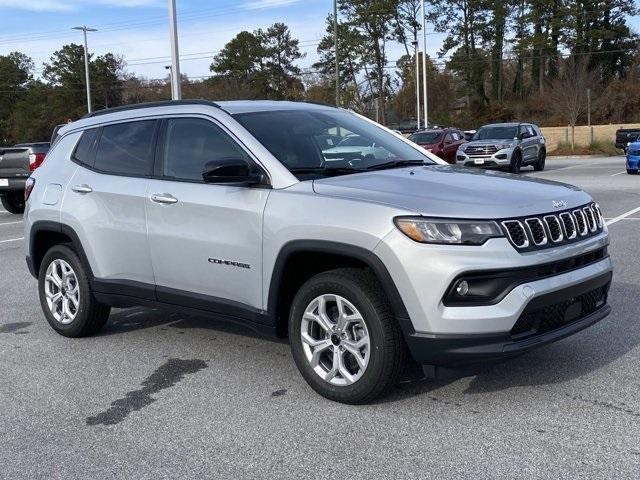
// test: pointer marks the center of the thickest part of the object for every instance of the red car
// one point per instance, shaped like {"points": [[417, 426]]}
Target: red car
{"points": [[443, 142]]}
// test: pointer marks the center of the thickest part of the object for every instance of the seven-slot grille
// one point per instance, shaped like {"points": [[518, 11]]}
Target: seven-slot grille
{"points": [[554, 229]]}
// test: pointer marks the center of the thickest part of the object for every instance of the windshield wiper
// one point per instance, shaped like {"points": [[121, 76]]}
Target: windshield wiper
{"points": [[395, 163], [325, 170]]}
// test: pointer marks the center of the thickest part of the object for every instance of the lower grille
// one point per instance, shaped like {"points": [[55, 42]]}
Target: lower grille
{"points": [[551, 317]]}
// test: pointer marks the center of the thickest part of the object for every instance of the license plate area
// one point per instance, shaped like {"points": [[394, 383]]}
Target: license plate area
{"points": [[4, 182], [478, 161]]}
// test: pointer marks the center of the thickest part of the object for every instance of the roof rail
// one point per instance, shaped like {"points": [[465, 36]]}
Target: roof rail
{"points": [[163, 103]]}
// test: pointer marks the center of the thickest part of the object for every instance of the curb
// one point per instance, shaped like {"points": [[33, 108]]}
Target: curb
{"points": [[577, 157]]}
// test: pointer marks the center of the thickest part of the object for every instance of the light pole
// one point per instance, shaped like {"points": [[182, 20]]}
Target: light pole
{"points": [[335, 47], [86, 29], [176, 93], [416, 52], [424, 65]]}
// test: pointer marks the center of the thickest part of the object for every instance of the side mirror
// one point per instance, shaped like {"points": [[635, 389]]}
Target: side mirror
{"points": [[231, 171]]}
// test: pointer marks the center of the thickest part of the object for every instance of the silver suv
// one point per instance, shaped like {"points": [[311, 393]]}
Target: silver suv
{"points": [[364, 262], [505, 145]]}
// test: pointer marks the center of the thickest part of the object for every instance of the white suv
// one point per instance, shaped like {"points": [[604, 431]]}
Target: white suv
{"points": [[232, 209]]}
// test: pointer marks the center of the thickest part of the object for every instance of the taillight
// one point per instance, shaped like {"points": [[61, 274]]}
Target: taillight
{"points": [[35, 160], [28, 187]]}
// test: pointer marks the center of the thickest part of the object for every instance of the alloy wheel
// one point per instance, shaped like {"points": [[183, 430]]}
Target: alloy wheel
{"points": [[62, 291], [335, 340]]}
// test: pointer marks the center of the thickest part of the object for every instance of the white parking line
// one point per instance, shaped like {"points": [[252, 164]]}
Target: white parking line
{"points": [[623, 216], [10, 223], [619, 173], [12, 240]]}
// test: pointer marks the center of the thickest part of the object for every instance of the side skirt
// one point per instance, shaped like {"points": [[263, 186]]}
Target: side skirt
{"points": [[125, 294]]}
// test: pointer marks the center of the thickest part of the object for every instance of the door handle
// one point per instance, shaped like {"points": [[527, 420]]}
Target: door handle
{"points": [[84, 188], [165, 198]]}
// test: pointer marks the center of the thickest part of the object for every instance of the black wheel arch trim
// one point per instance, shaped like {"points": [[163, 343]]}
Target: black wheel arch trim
{"points": [[336, 248], [55, 227]]}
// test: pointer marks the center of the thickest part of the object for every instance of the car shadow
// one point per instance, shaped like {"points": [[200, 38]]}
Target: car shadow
{"points": [[586, 352]]}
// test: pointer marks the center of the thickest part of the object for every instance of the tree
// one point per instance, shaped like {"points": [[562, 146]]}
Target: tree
{"points": [[280, 53], [351, 58], [373, 19], [260, 63], [15, 77], [66, 73], [241, 60], [463, 20], [567, 95]]}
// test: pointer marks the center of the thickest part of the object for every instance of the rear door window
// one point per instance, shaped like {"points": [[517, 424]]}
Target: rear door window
{"points": [[127, 148]]}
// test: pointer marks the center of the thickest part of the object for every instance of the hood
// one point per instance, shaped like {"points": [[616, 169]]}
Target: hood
{"points": [[488, 141], [454, 192], [429, 145]]}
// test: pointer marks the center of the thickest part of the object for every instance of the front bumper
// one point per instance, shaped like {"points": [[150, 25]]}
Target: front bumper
{"points": [[466, 351], [450, 335], [14, 185], [633, 163], [501, 158]]}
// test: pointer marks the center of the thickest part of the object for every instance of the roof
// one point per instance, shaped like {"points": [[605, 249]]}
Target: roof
{"points": [[230, 106], [174, 106]]}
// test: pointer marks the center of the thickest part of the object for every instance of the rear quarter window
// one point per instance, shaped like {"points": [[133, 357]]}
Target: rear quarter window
{"points": [[127, 148], [84, 150]]}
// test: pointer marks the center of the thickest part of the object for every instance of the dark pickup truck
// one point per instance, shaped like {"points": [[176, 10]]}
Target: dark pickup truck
{"points": [[625, 136], [16, 164]]}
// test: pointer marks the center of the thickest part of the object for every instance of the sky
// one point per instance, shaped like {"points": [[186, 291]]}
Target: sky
{"points": [[138, 29]]}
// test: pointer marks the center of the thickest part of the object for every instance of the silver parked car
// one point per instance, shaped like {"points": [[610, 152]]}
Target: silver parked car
{"points": [[505, 145], [231, 209]]}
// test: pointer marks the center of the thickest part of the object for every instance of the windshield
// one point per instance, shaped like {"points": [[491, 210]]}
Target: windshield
{"points": [[496, 132], [327, 142], [426, 137]]}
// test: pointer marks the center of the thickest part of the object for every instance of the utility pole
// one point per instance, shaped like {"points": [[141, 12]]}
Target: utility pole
{"points": [[589, 107], [335, 47], [176, 92], [424, 65], [86, 29], [416, 51]]}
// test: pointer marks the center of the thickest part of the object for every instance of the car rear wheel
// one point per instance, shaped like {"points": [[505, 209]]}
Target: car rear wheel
{"points": [[539, 165], [344, 338], [66, 297], [13, 202], [516, 162]]}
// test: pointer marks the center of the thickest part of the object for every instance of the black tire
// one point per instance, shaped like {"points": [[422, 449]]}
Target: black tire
{"points": [[632, 172], [516, 162], [13, 202], [387, 352], [91, 315], [539, 165]]}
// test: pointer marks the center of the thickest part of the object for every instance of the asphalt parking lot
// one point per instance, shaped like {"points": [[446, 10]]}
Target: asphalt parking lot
{"points": [[159, 395]]}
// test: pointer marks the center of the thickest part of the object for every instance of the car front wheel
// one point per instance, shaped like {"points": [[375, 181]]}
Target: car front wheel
{"points": [[344, 338], [66, 297], [516, 162]]}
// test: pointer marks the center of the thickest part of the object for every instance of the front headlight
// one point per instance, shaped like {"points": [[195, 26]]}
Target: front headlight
{"points": [[501, 146], [448, 232]]}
